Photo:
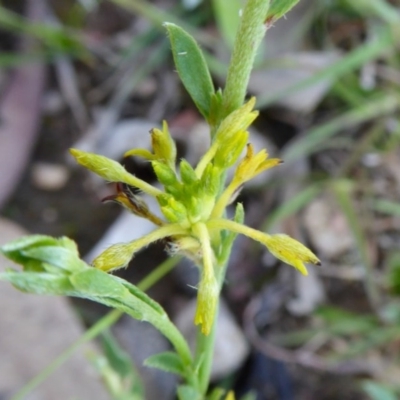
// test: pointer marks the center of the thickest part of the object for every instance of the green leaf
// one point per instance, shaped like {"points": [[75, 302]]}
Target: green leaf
{"points": [[216, 110], [115, 292], [192, 67], [54, 255], [38, 253], [13, 249], [85, 282], [188, 175], [278, 8], [186, 392], [96, 283], [118, 358], [38, 283], [138, 293], [167, 361], [129, 380]]}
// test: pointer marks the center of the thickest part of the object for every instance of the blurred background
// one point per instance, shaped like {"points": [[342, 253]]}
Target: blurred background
{"points": [[98, 75]]}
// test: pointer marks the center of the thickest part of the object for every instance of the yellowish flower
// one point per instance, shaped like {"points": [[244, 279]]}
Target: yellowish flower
{"points": [[253, 164], [115, 257], [230, 395], [291, 251], [207, 299]]}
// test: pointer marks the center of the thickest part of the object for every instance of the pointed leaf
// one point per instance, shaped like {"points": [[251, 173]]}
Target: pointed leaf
{"points": [[38, 283], [167, 361], [96, 283], [122, 364], [54, 255], [117, 357], [192, 67], [278, 8], [85, 282], [13, 250]]}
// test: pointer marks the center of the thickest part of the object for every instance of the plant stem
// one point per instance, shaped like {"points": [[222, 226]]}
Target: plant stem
{"points": [[249, 35], [204, 355], [154, 276], [248, 38]]}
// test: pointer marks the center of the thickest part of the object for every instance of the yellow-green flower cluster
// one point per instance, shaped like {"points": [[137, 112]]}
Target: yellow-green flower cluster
{"points": [[192, 202]]}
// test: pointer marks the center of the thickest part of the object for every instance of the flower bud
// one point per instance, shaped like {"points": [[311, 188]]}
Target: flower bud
{"points": [[108, 169], [188, 175], [238, 120], [163, 145], [207, 300], [117, 256], [253, 164], [211, 180], [172, 209], [165, 174], [291, 251], [230, 150]]}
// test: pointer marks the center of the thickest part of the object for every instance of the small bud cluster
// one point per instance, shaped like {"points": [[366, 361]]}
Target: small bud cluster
{"points": [[193, 203]]}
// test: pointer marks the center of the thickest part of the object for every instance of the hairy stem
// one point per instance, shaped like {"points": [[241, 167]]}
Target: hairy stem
{"points": [[248, 38]]}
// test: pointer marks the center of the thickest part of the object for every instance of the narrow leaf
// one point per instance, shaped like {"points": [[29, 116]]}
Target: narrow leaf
{"points": [[94, 282], [41, 277], [142, 296], [13, 250], [192, 67], [122, 364], [278, 8], [38, 283], [167, 361], [54, 255], [118, 358]]}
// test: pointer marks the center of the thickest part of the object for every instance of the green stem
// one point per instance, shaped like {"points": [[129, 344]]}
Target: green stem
{"points": [[157, 234], [249, 35], [206, 159], [154, 276], [204, 355], [223, 201], [220, 224], [248, 38]]}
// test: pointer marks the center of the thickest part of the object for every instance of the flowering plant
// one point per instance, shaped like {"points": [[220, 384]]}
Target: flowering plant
{"points": [[192, 202]]}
